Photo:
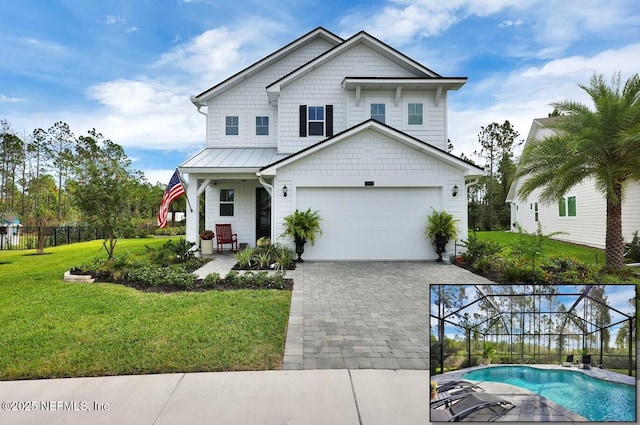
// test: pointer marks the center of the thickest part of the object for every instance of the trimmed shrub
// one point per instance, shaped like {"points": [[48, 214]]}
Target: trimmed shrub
{"points": [[477, 249], [212, 280]]}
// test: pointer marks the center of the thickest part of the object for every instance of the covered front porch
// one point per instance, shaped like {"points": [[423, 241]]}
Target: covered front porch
{"points": [[223, 188]]}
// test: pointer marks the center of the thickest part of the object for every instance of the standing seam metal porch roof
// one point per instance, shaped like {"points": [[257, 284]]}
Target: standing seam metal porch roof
{"points": [[231, 158]]}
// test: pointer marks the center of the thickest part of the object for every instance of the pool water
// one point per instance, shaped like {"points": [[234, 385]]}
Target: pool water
{"points": [[595, 399]]}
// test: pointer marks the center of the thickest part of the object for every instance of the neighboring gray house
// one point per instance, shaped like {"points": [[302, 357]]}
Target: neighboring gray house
{"points": [[352, 128], [581, 215]]}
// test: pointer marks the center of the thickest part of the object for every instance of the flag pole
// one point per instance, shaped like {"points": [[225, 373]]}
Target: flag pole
{"points": [[185, 187]]}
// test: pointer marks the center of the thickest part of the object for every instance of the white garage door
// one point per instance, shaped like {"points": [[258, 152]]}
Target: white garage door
{"points": [[370, 223]]}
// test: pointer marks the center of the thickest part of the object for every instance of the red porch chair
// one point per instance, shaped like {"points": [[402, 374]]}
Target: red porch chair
{"points": [[224, 235]]}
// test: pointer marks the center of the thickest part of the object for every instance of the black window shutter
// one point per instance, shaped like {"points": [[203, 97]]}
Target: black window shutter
{"points": [[303, 120], [329, 109]]}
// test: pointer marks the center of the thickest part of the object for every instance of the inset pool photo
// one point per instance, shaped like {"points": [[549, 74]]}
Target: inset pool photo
{"points": [[533, 353]]}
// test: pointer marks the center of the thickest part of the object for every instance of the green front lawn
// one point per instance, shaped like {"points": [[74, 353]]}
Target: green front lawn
{"points": [[50, 328], [557, 249]]}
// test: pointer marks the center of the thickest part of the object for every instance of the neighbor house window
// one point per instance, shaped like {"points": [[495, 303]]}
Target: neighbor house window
{"points": [[231, 126], [567, 207], [377, 112], [226, 202], [262, 126], [535, 211], [415, 114], [316, 120]]}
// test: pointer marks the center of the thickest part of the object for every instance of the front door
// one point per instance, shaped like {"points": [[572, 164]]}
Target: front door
{"points": [[263, 213]]}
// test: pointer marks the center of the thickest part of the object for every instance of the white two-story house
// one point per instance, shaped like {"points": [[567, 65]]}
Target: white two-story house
{"points": [[351, 128], [581, 215]]}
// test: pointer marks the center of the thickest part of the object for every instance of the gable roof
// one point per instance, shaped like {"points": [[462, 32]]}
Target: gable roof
{"points": [[423, 73], [318, 33], [371, 124], [536, 124]]}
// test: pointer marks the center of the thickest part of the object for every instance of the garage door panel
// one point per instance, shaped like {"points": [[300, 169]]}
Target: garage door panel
{"points": [[370, 223]]}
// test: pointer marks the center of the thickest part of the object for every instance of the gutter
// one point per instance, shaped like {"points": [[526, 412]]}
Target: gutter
{"points": [[198, 105]]}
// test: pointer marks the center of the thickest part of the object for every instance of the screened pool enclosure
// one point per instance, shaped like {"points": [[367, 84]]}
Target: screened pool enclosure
{"points": [[542, 324]]}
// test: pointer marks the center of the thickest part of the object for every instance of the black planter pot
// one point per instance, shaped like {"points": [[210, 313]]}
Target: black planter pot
{"points": [[300, 248], [440, 245]]}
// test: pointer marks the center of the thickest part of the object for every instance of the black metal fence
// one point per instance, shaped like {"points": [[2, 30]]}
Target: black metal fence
{"points": [[27, 236]]}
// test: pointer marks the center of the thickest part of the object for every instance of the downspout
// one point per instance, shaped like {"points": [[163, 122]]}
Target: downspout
{"points": [[471, 183], [266, 185], [198, 105]]}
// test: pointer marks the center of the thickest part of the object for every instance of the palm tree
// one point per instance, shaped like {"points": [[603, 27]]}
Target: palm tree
{"points": [[603, 144]]}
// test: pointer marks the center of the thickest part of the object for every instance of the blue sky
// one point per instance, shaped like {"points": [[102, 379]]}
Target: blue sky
{"points": [[128, 67]]}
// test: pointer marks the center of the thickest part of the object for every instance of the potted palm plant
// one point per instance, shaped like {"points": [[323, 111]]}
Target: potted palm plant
{"points": [[303, 226], [441, 228], [488, 350]]}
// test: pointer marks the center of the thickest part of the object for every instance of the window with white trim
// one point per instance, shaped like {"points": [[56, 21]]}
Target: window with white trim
{"points": [[227, 203], [414, 114], [315, 120], [535, 211], [231, 126], [567, 207], [378, 112], [262, 126]]}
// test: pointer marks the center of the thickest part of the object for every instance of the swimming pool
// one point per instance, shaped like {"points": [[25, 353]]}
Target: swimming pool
{"points": [[595, 399]]}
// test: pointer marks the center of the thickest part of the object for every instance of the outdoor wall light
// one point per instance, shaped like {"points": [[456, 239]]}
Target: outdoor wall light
{"points": [[455, 190], [285, 190]]}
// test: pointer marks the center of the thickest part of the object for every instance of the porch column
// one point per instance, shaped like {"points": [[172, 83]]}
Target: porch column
{"points": [[193, 217]]}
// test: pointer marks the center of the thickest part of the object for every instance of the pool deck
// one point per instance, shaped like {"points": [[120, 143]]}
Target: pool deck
{"points": [[531, 407]]}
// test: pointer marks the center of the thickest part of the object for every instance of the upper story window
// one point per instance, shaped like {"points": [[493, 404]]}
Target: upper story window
{"points": [[227, 202], [567, 207], [377, 112], [415, 114], [231, 126], [262, 126], [316, 120]]}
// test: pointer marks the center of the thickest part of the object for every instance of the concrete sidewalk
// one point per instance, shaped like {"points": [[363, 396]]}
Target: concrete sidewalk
{"points": [[345, 397]]}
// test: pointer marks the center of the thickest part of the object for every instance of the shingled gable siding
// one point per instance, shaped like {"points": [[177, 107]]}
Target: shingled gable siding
{"points": [[364, 157], [248, 99], [323, 86]]}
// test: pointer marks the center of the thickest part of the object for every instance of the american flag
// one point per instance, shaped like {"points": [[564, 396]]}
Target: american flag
{"points": [[174, 190]]}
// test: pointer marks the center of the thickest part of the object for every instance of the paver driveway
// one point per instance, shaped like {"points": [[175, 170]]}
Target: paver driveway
{"points": [[364, 315]]}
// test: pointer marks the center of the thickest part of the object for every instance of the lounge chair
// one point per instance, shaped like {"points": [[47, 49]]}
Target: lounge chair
{"points": [[586, 361], [449, 389], [569, 361], [485, 407], [450, 385]]}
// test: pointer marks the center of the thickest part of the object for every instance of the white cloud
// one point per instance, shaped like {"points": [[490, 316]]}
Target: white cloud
{"points": [[209, 52], [511, 23], [115, 19], [7, 99], [423, 18], [158, 175], [151, 113], [525, 94]]}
